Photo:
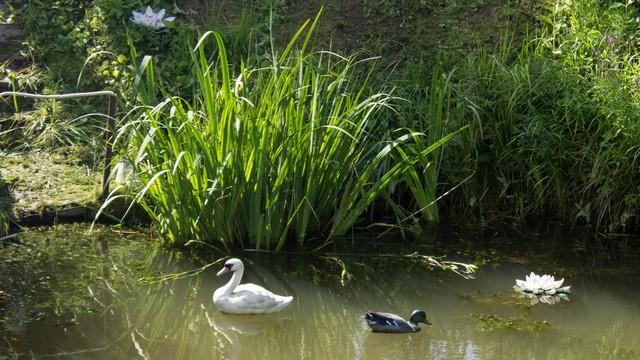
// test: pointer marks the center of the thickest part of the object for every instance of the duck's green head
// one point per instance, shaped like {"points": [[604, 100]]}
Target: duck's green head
{"points": [[419, 316]]}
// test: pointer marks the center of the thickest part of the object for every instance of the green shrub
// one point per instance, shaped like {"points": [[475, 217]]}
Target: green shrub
{"points": [[555, 132]]}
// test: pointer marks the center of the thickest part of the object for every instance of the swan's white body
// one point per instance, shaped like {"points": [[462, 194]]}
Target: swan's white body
{"points": [[234, 298]]}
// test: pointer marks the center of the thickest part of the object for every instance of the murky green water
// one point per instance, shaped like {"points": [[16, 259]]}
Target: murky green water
{"points": [[130, 306]]}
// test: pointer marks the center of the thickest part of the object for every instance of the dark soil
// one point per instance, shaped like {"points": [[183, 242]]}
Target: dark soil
{"points": [[394, 29]]}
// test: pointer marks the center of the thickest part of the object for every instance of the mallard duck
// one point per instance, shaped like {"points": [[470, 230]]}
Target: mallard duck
{"points": [[234, 298], [390, 323]]}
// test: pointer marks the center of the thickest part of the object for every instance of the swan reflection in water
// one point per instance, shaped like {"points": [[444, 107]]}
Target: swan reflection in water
{"points": [[233, 327]]}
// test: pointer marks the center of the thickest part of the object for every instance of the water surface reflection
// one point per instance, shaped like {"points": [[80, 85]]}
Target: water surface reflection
{"points": [[133, 309]]}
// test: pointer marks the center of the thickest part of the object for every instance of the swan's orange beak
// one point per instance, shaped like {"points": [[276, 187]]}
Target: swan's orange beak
{"points": [[223, 271]]}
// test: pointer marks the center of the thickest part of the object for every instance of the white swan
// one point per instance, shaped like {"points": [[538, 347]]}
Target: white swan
{"points": [[246, 298]]}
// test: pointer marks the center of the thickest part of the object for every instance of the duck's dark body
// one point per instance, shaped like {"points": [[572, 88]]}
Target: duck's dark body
{"points": [[391, 323]]}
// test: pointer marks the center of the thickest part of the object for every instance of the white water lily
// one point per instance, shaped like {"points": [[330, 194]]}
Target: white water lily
{"points": [[150, 18], [541, 285]]}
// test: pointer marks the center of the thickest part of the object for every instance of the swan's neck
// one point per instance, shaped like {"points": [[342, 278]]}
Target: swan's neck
{"points": [[234, 282]]}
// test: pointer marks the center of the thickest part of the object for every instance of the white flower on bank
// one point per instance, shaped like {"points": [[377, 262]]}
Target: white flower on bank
{"points": [[150, 18]]}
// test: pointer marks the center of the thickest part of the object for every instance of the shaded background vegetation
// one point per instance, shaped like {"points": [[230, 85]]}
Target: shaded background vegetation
{"points": [[549, 90]]}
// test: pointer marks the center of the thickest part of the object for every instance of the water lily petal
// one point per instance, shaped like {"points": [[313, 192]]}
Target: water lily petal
{"points": [[557, 284], [521, 284], [534, 300], [550, 291], [545, 279], [149, 12], [150, 18], [531, 277], [137, 16], [537, 291]]}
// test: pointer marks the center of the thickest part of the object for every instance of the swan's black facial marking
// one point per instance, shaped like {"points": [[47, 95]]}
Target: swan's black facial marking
{"points": [[228, 266]]}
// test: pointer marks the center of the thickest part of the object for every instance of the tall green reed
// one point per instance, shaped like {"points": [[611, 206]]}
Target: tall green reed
{"points": [[291, 151], [430, 107]]}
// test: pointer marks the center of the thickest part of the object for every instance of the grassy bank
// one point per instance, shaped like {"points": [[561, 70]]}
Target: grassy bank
{"points": [[262, 136]]}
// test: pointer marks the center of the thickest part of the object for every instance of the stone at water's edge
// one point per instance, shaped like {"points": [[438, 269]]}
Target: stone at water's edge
{"points": [[9, 33], [49, 217]]}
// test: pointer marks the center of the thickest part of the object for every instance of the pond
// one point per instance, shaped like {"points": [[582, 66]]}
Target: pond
{"points": [[111, 294]]}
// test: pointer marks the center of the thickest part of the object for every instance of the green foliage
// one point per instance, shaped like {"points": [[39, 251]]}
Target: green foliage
{"points": [[271, 154], [555, 131], [91, 45], [552, 127]]}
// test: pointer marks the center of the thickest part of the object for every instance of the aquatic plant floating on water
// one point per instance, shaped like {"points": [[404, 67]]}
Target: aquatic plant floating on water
{"points": [[543, 288], [150, 18]]}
